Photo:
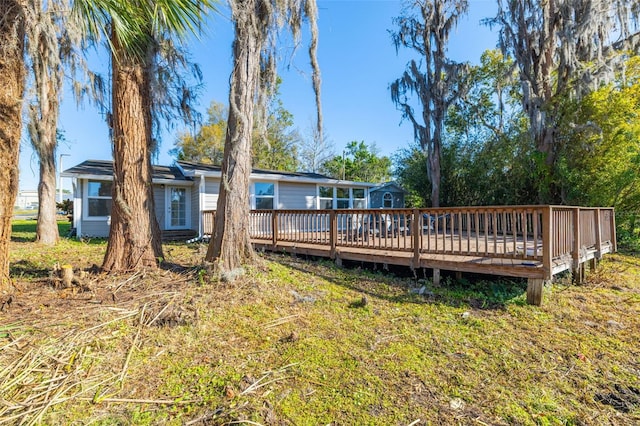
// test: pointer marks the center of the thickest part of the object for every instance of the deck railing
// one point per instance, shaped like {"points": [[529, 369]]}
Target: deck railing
{"points": [[527, 233]]}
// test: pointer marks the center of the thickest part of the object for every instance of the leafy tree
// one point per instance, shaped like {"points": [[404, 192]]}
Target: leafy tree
{"points": [[276, 148], [359, 163], [144, 61], [562, 49], [257, 23], [12, 83], [436, 81], [410, 173], [486, 154], [602, 156], [207, 145]]}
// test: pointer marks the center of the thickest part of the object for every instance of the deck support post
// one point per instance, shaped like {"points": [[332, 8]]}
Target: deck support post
{"points": [[535, 287], [436, 277], [593, 264], [458, 275]]}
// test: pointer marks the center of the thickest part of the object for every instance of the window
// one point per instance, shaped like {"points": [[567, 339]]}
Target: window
{"points": [[387, 200], [359, 200], [98, 198], [326, 197], [265, 193], [342, 198]]}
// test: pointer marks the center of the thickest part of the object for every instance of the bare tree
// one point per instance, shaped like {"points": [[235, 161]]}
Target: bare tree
{"points": [[315, 149], [563, 48], [425, 27], [12, 82], [257, 24]]}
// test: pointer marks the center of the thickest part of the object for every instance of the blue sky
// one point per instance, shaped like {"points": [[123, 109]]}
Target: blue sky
{"points": [[358, 62]]}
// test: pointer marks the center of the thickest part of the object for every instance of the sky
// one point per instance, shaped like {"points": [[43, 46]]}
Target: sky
{"points": [[358, 62]]}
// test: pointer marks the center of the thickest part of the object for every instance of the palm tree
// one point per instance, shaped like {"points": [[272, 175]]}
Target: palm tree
{"points": [[134, 30], [257, 23], [12, 81]]}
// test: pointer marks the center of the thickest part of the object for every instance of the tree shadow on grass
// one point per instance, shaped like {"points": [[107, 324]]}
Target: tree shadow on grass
{"points": [[27, 269], [401, 285]]}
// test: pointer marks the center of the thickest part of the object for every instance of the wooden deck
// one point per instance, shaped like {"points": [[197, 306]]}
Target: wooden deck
{"points": [[533, 242]]}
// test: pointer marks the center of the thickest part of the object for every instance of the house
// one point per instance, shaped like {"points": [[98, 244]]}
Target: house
{"points": [[388, 195], [184, 190]]}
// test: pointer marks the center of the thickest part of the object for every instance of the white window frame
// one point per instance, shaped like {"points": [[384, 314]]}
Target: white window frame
{"points": [[85, 203], [255, 196]]}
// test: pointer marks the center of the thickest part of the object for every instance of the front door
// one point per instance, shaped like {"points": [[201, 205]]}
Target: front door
{"points": [[178, 204]]}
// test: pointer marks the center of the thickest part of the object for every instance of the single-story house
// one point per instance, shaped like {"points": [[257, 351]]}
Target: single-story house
{"points": [[184, 190]]}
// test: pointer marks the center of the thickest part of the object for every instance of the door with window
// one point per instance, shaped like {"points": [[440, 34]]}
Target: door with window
{"points": [[178, 208]]}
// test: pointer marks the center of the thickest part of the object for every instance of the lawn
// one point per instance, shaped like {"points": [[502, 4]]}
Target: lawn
{"points": [[303, 342]]}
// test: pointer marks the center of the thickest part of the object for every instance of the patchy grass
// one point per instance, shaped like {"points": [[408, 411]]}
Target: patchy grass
{"points": [[302, 342]]}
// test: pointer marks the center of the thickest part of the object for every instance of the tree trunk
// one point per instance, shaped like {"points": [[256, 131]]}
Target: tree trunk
{"points": [[47, 227], [134, 237], [12, 80], [231, 246]]}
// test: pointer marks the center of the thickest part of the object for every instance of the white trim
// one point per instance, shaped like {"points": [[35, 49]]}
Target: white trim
{"points": [[167, 207]]}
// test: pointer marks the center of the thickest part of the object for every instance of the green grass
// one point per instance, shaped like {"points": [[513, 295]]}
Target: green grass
{"points": [[305, 343]]}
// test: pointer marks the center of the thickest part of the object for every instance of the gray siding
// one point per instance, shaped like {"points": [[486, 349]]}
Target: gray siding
{"points": [[96, 229], [195, 206], [212, 189], [296, 196], [375, 198], [159, 200]]}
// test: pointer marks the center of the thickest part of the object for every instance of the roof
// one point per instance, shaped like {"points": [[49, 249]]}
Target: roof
{"points": [[103, 168], [191, 168], [388, 186], [187, 171]]}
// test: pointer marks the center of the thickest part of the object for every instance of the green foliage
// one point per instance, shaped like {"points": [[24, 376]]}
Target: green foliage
{"points": [[601, 157], [359, 163], [275, 149], [207, 145], [66, 206], [488, 158]]}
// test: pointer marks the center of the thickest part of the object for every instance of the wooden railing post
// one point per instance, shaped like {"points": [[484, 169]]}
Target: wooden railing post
{"points": [[274, 229], [598, 234], [613, 231], [416, 232], [577, 242], [333, 233]]}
